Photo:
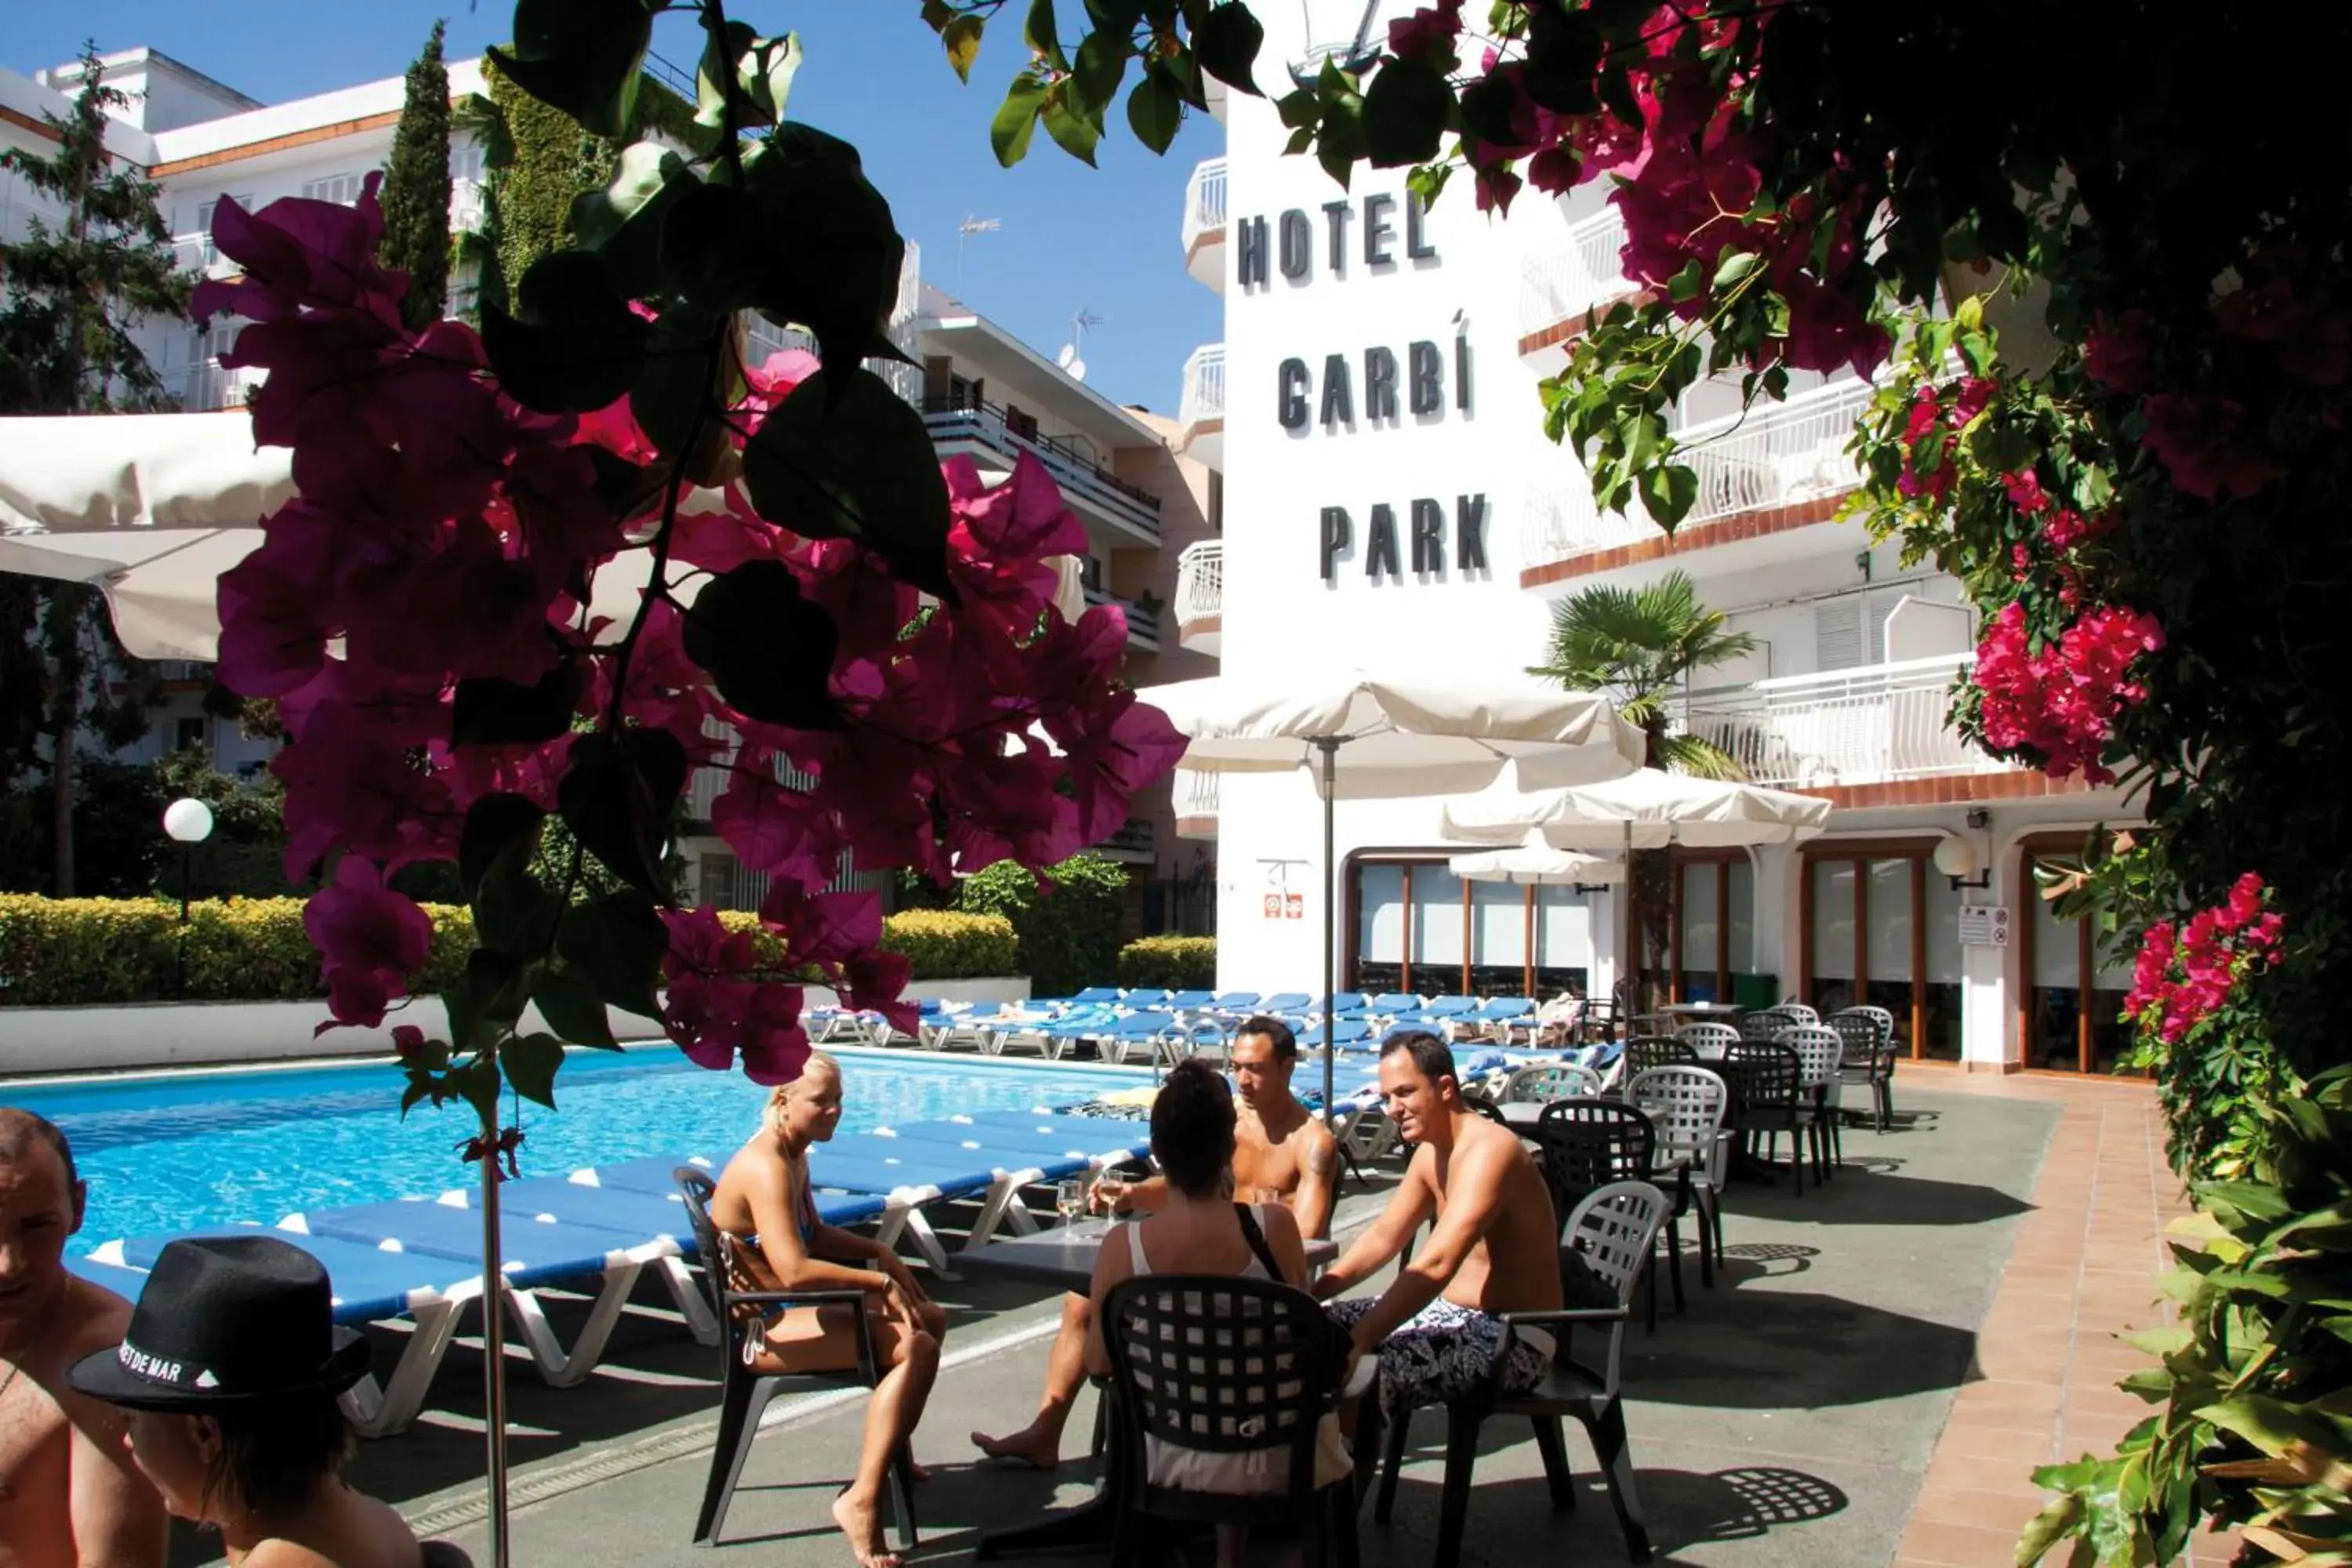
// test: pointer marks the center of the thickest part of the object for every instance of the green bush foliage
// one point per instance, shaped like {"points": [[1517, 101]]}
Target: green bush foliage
{"points": [[1170, 962], [58, 952], [1068, 922]]}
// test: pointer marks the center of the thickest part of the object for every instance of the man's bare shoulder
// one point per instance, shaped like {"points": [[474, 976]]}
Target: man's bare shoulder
{"points": [[99, 1317], [1486, 1151]]}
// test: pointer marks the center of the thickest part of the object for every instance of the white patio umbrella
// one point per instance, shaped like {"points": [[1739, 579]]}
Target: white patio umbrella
{"points": [[1367, 737], [1650, 809], [1536, 863]]}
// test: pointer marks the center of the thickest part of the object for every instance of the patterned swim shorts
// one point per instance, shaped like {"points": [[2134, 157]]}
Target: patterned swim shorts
{"points": [[1445, 1351]]}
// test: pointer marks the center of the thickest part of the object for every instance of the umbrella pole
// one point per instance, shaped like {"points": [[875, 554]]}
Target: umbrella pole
{"points": [[494, 1345], [1330, 747]]}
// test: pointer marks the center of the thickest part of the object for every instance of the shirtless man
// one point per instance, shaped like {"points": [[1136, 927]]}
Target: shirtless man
{"points": [[1495, 1248], [69, 1496], [1282, 1154]]}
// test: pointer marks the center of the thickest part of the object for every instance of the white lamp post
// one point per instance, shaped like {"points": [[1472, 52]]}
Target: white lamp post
{"points": [[188, 823]]}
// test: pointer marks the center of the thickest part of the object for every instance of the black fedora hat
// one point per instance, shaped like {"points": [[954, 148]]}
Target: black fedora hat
{"points": [[227, 1319]]}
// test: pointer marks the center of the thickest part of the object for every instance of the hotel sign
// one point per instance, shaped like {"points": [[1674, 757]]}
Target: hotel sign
{"points": [[1394, 385]]}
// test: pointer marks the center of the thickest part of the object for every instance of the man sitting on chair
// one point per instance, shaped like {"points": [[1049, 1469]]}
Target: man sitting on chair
{"points": [[1282, 1154], [1494, 1247]]}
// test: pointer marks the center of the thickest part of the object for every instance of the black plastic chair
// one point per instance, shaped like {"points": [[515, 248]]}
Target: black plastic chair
{"points": [[1765, 1079], [745, 1394], [1588, 1144], [1610, 1237], [1224, 1365], [1644, 1052]]}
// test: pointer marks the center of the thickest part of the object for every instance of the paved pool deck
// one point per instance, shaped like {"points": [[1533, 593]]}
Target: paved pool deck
{"points": [[1880, 1364]]}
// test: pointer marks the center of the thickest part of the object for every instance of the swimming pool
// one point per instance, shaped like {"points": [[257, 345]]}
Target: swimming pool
{"points": [[168, 1152]]}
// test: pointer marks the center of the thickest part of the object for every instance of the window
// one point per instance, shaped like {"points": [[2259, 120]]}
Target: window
{"points": [[1881, 928], [1216, 501], [2071, 1003], [465, 161], [344, 190], [1421, 929], [191, 735]]}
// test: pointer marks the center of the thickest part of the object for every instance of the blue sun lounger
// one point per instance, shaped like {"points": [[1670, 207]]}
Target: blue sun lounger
{"points": [[370, 1286], [1055, 1154], [538, 1249], [1114, 1139]]}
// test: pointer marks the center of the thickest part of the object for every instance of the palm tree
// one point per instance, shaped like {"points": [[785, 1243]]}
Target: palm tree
{"points": [[1639, 645]]}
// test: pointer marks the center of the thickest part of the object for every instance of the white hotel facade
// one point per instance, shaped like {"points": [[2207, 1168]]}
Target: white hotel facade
{"points": [[1390, 501]]}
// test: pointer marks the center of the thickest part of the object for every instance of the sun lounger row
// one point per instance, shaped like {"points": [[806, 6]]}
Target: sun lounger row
{"points": [[419, 1258]]}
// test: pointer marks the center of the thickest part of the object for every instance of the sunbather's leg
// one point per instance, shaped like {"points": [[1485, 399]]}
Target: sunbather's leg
{"points": [[1040, 1442]]}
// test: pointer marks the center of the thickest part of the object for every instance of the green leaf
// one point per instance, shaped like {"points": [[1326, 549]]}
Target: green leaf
{"points": [[1734, 267], [573, 345], [1225, 42], [515, 913], [857, 464], [477, 1083], [676, 389], [573, 1010], [1069, 127], [1405, 111], [617, 797], [531, 1062], [500, 984], [501, 830], [2056, 1521], [488, 711], [616, 944], [1009, 133], [721, 47], [1668, 492], [1155, 109], [767, 649], [1686, 283], [1038, 32], [1101, 67], [1299, 109], [585, 58], [838, 274], [765, 74], [1563, 56], [1487, 106], [623, 220], [961, 36]]}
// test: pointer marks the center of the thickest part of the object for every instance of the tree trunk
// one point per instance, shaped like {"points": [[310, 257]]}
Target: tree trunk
{"points": [[61, 803]]}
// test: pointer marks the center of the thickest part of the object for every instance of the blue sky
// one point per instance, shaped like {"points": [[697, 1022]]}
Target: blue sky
{"points": [[1105, 238]]}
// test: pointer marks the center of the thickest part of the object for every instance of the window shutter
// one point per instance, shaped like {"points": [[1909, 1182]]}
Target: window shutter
{"points": [[1838, 639]]}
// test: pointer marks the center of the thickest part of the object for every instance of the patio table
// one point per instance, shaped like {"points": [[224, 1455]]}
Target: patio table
{"points": [[1705, 1012], [1064, 1255]]}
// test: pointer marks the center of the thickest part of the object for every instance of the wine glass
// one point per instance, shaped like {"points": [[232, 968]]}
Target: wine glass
{"points": [[1070, 1200], [1111, 1190]]}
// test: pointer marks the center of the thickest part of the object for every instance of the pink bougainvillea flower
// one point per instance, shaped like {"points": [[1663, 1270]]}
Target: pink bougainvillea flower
{"points": [[368, 938], [2062, 701], [2117, 352], [2205, 446]]}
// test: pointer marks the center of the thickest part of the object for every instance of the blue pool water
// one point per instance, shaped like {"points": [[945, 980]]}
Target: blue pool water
{"points": [[166, 1152]]}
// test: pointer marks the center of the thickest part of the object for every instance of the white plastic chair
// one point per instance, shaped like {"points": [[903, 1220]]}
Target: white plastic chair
{"points": [[1710, 1040], [1687, 1105]]}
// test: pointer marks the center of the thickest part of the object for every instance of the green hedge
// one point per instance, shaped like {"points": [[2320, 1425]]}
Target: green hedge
{"points": [[66, 951], [1170, 962], [1069, 931]]}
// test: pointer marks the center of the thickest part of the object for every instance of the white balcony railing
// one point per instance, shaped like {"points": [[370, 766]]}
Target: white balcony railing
{"points": [[1205, 386], [1778, 455], [1868, 725], [1561, 285], [1204, 202], [954, 420], [708, 783], [208, 386], [1195, 793], [469, 209], [1200, 582]]}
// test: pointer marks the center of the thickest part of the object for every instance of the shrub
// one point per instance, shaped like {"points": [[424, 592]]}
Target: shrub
{"points": [[1170, 962], [67, 952], [1068, 926], [70, 951]]}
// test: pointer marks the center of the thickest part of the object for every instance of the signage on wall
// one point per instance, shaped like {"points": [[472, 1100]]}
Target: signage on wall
{"points": [[1984, 925], [1393, 387], [1281, 903]]}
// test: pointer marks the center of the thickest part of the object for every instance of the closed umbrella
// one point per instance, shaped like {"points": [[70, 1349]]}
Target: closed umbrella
{"points": [[1536, 863], [1369, 737]]}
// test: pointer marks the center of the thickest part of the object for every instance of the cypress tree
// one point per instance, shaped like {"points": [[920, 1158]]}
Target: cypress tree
{"points": [[416, 190]]}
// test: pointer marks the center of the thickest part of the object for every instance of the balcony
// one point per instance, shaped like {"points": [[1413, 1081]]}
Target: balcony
{"points": [[1142, 620], [1204, 224], [469, 206], [1557, 288], [1780, 457], [1201, 596], [208, 386], [1876, 724], [1202, 413], [1193, 795], [985, 431]]}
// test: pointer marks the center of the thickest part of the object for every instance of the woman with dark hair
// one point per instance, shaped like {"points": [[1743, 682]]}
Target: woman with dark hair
{"points": [[1201, 1230], [230, 1370]]}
